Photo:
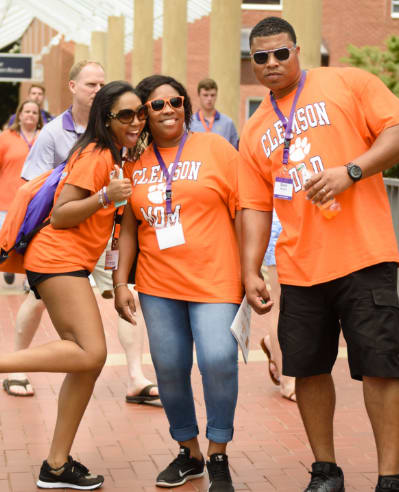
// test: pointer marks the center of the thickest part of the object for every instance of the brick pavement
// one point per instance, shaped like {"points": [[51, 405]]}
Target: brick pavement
{"points": [[130, 444]]}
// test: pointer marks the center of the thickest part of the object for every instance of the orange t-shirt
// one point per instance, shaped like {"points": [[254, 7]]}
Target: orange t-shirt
{"points": [[76, 248], [206, 268], [339, 114], [13, 152]]}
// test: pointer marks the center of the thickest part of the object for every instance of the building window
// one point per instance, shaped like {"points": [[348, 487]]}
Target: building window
{"points": [[252, 106], [262, 4], [395, 8]]}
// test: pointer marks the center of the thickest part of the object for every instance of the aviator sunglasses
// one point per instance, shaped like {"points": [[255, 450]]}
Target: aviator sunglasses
{"points": [[281, 54], [159, 104], [126, 116]]}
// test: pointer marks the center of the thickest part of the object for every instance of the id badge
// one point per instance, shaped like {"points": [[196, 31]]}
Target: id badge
{"points": [[283, 188], [111, 259], [170, 236]]}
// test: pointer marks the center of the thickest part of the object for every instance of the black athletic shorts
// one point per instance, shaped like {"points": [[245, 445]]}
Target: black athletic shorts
{"points": [[364, 304], [35, 278]]}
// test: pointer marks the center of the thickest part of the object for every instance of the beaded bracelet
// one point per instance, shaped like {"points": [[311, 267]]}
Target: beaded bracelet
{"points": [[101, 199], [108, 201], [120, 284]]}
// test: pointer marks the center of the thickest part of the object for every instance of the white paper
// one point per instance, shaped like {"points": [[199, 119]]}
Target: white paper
{"points": [[170, 236], [241, 327]]}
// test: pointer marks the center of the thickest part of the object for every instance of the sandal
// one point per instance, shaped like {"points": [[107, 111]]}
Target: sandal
{"points": [[8, 383], [273, 371]]}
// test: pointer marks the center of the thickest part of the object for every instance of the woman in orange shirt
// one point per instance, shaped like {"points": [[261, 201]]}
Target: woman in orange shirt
{"points": [[15, 144], [58, 262], [188, 274]]}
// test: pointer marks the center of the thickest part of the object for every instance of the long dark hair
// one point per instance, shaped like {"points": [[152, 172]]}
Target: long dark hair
{"points": [[146, 86], [97, 130]]}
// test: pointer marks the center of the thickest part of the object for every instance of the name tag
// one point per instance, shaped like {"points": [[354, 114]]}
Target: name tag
{"points": [[170, 236], [283, 188], [111, 259]]}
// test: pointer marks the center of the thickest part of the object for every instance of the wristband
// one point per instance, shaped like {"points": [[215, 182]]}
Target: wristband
{"points": [[101, 199], [120, 284], [108, 201]]}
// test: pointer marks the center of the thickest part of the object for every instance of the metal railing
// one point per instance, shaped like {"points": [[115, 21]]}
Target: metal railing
{"points": [[392, 187]]}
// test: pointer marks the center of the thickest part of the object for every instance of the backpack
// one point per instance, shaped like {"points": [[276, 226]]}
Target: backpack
{"points": [[27, 214]]}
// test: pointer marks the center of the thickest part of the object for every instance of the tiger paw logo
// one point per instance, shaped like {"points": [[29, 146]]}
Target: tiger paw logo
{"points": [[156, 193], [300, 149]]}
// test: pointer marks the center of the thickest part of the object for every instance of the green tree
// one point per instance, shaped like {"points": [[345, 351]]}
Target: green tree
{"points": [[382, 63]]}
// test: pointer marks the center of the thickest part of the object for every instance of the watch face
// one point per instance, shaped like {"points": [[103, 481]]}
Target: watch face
{"points": [[355, 172]]}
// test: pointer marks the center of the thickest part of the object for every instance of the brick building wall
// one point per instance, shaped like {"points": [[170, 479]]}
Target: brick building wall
{"points": [[360, 23], [56, 65], [367, 22]]}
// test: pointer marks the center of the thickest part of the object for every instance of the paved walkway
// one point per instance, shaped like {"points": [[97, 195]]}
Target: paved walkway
{"points": [[130, 443]]}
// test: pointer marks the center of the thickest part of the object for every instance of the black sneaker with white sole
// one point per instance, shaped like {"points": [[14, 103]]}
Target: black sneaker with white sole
{"points": [[181, 469], [71, 475], [219, 473]]}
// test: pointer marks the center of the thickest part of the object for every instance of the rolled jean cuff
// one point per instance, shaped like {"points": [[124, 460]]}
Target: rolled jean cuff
{"points": [[184, 434], [219, 435]]}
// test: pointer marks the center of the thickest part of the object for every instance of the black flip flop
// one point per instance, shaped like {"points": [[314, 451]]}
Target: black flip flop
{"points": [[144, 396], [7, 383]]}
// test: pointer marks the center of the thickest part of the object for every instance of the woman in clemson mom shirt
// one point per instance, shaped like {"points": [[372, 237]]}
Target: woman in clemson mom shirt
{"points": [[188, 274], [58, 262]]}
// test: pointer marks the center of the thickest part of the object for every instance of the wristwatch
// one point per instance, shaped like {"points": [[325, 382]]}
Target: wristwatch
{"points": [[354, 171]]}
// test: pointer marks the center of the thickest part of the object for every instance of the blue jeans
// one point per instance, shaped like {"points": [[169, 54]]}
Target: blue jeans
{"points": [[172, 327]]}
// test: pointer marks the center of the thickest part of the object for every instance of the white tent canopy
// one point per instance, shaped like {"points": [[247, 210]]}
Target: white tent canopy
{"points": [[76, 19]]}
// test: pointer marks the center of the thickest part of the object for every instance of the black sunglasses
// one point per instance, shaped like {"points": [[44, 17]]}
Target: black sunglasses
{"points": [[159, 104], [127, 116], [281, 54]]}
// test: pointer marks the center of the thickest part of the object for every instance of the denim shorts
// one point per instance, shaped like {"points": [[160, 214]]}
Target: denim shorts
{"points": [[364, 304]]}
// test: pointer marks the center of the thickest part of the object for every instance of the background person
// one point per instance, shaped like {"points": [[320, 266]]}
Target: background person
{"points": [[15, 144], [188, 275], [36, 93], [269, 342], [139, 388], [333, 273], [81, 222], [207, 118]]}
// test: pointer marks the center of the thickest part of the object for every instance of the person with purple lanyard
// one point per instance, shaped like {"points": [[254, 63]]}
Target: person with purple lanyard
{"points": [[314, 150], [183, 213]]}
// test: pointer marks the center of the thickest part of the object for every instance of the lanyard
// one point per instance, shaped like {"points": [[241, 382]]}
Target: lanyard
{"points": [[204, 122], [283, 119], [26, 140], [169, 176]]}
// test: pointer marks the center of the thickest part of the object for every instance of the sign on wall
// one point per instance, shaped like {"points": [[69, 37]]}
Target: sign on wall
{"points": [[16, 68]]}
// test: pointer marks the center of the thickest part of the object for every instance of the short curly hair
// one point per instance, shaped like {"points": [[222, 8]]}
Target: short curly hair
{"points": [[270, 26]]}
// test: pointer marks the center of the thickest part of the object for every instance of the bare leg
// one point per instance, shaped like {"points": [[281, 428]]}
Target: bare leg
{"points": [[287, 383], [81, 351], [316, 402], [381, 396], [194, 448], [132, 340], [26, 325], [217, 448]]}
